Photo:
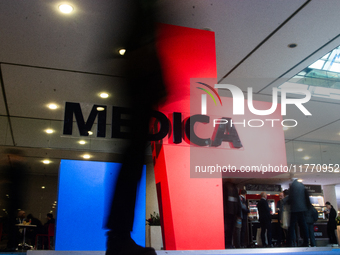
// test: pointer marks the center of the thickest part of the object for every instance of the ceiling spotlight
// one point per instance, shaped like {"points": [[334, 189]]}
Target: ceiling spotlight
{"points": [[65, 8], [46, 161], [52, 106], [86, 156], [104, 95], [90, 133], [306, 157], [122, 52], [49, 131], [43, 187], [100, 109], [82, 142], [300, 149]]}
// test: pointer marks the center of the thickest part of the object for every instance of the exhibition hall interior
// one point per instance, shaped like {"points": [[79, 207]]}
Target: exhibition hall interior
{"points": [[253, 103]]}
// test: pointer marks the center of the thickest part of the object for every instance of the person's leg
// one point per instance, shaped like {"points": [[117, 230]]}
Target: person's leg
{"points": [[333, 236], [279, 235], [303, 228], [263, 233], [229, 224], [269, 232], [291, 229], [243, 233], [311, 235]]}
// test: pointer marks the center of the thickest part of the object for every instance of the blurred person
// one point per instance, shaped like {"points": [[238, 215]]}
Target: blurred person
{"points": [[280, 233], [14, 186], [232, 211], [265, 218], [50, 220], [145, 89], [244, 217], [32, 232], [285, 215], [298, 201], [331, 224], [21, 219], [45, 228], [311, 217]]}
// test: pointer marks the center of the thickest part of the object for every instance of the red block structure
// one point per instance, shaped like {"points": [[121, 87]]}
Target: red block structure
{"points": [[191, 204]]}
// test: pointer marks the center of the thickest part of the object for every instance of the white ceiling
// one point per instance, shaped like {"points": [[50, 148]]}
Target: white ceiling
{"points": [[46, 56]]}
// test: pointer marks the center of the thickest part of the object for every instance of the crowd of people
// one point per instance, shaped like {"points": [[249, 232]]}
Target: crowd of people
{"points": [[15, 232], [295, 213]]}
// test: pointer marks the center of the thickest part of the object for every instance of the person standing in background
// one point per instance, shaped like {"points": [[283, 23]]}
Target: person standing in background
{"points": [[285, 215], [311, 217], [298, 201], [232, 211], [280, 233], [244, 217], [331, 224], [265, 218]]}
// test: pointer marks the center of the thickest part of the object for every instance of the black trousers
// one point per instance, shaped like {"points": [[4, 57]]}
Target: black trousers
{"points": [[124, 197], [229, 227], [331, 234], [298, 217], [266, 225], [243, 241]]}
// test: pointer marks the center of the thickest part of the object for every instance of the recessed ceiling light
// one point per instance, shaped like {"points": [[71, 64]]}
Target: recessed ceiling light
{"points": [[299, 180], [49, 131], [104, 95], [90, 133], [52, 106], [86, 156], [82, 142], [100, 109], [43, 187], [300, 149], [122, 52], [292, 45], [46, 161], [306, 157], [65, 8]]}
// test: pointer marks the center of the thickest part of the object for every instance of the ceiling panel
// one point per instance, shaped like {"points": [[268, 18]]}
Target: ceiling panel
{"points": [[329, 133], [274, 58], [322, 114], [37, 87], [239, 26], [38, 34], [5, 132]]}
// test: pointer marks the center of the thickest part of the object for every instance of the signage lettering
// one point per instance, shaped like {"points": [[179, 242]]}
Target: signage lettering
{"points": [[224, 131]]}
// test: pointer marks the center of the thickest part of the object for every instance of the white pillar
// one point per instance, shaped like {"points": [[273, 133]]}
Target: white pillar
{"points": [[330, 195]]}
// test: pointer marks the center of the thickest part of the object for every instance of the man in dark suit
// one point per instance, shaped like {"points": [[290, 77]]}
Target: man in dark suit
{"points": [[244, 217], [298, 196], [232, 211], [331, 224], [265, 220], [279, 214]]}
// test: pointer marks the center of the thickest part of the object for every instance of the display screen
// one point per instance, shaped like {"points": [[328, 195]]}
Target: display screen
{"points": [[84, 196]]}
